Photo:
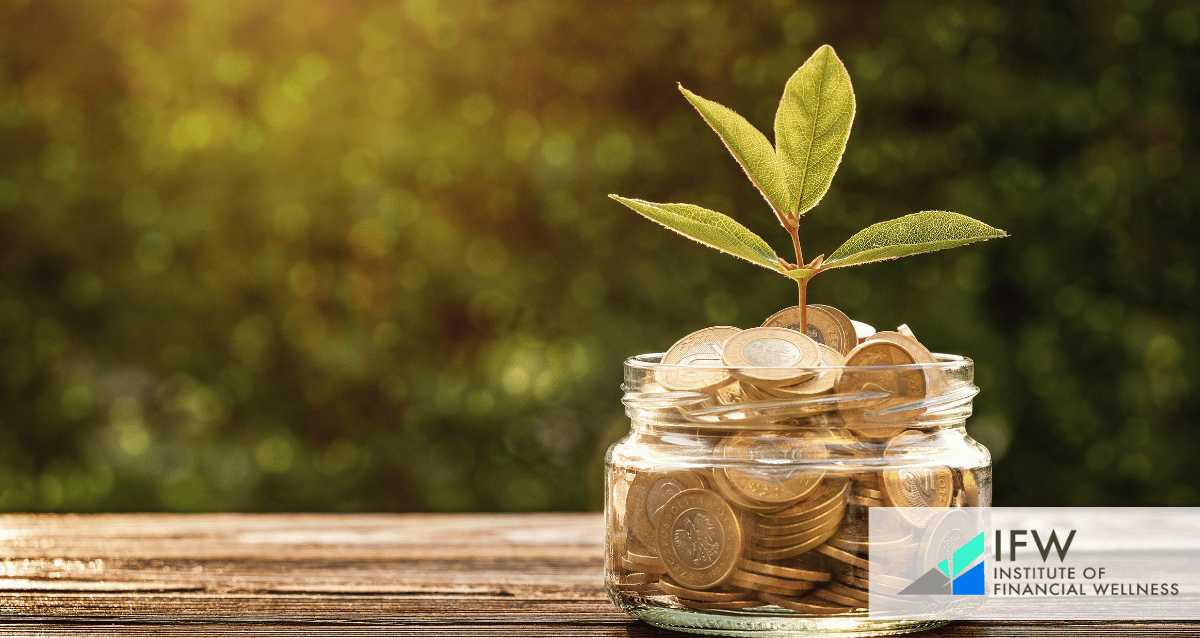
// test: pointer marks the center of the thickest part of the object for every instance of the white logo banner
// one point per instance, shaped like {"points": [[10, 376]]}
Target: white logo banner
{"points": [[1005, 563]]}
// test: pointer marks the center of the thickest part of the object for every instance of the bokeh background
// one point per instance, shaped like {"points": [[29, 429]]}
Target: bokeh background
{"points": [[327, 255]]}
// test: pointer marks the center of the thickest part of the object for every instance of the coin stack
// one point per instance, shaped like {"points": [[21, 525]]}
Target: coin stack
{"points": [[777, 515]]}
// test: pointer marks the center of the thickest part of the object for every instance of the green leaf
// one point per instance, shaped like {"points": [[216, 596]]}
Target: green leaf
{"points": [[709, 228], [812, 126], [751, 149], [917, 233]]}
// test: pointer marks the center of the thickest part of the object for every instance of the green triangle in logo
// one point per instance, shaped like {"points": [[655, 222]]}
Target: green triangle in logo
{"points": [[965, 555]]}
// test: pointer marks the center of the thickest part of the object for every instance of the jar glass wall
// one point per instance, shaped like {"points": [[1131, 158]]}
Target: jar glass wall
{"points": [[738, 505]]}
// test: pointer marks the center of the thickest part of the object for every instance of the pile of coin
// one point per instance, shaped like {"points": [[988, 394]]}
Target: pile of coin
{"points": [[774, 512]]}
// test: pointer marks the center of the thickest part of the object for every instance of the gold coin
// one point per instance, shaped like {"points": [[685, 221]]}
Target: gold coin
{"points": [[795, 530], [764, 474], [833, 497], [735, 496], [776, 356], [705, 340], [760, 583], [846, 591], [647, 495], [915, 488], [757, 393], [851, 406], [822, 530], [699, 539], [813, 541], [638, 551], [831, 357], [822, 422], [863, 546], [952, 529], [805, 604], [702, 358], [901, 386], [636, 582], [765, 530], [856, 527], [649, 565], [864, 576], [869, 479], [697, 348], [820, 382], [615, 504], [863, 501], [793, 573], [706, 374], [876, 433], [850, 579], [769, 525], [879, 353], [823, 325], [843, 556], [935, 378], [870, 493], [862, 330], [673, 589], [825, 594], [637, 578], [918, 352], [772, 581], [825, 329], [841, 441], [787, 318], [847, 326], [970, 488]]}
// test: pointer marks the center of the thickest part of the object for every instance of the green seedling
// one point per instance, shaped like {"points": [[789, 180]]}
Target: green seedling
{"points": [[812, 125]]}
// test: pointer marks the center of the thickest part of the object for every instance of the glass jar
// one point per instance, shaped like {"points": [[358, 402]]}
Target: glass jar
{"points": [[757, 494]]}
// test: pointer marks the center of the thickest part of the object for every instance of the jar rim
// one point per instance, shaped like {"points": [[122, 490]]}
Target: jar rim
{"points": [[653, 361], [876, 394]]}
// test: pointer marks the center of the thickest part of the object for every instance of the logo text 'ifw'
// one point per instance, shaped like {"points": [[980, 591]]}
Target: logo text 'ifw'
{"points": [[949, 577]]}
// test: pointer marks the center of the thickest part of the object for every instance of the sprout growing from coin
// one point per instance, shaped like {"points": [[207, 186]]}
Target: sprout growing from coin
{"points": [[812, 125]]}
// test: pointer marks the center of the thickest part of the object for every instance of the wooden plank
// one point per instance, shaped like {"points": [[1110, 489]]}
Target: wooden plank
{"points": [[339, 575], [283, 608], [502, 555], [630, 629], [480, 630], [328, 536]]}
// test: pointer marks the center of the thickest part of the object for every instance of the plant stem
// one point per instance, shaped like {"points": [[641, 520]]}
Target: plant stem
{"points": [[796, 244], [802, 284]]}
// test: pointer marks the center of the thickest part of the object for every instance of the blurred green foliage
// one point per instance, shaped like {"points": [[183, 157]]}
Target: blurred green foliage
{"points": [[311, 255]]}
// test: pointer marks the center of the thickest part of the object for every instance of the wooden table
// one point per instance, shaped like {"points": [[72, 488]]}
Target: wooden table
{"points": [[339, 575]]}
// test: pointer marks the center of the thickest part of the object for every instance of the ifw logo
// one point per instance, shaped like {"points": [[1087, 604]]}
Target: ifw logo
{"points": [[951, 576]]}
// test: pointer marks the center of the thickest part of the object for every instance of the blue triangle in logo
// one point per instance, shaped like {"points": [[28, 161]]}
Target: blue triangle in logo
{"points": [[970, 582]]}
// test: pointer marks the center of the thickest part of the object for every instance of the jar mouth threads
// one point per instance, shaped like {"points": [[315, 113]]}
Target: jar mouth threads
{"points": [[872, 401], [941, 361]]}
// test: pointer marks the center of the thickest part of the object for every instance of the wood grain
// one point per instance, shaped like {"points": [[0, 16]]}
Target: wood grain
{"points": [[339, 575]]}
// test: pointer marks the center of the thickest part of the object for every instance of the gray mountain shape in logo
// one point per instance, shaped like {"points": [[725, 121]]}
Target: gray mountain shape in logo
{"points": [[933, 583]]}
